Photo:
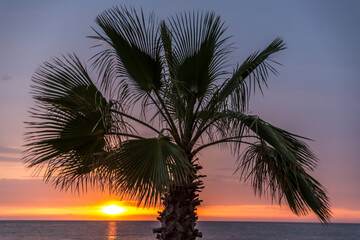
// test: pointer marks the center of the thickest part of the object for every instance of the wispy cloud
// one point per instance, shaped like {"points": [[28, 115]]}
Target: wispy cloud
{"points": [[5, 78], [10, 159], [6, 149]]}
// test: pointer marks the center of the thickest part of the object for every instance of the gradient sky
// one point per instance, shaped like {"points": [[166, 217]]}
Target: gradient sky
{"points": [[316, 95]]}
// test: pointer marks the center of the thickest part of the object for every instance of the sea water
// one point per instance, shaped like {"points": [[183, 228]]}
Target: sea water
{"points": [[137, 230]]}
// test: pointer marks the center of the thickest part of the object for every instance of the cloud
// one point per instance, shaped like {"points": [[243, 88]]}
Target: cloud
{"points": [[10, 159], [5, 78], [4, 149], [10, 154]]}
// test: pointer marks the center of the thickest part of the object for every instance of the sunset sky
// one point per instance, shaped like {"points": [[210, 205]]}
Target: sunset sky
{"points": [[315, 95]]}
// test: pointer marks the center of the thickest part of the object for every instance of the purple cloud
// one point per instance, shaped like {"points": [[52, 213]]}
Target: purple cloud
{"points": [[4, 149], [5, 78]]}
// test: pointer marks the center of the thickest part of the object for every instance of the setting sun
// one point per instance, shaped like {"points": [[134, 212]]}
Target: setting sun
{"points": [[112, 209]]}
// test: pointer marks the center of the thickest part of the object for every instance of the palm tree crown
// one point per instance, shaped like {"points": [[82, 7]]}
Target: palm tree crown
{"points": [[168, 79]]}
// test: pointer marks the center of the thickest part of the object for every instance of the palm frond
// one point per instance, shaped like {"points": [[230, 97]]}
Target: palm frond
{"points": [[270, 172], [71, 117], [287, 144], [141, 169], [144, 169], [278, 163], [166, 39], [252, 73], [134, 54], [198, 50]]}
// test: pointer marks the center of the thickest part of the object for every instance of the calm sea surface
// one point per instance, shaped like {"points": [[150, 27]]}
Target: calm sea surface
{"points": [[102, 230]]}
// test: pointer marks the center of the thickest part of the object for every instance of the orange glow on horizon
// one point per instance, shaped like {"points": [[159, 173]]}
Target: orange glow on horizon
{"points": [[206, 213]]}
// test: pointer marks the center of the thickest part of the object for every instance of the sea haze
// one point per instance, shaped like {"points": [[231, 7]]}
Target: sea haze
{"points": [[137, 230]]}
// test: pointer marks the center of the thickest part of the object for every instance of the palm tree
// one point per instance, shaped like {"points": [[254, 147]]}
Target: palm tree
{"points": [[165, 95]]}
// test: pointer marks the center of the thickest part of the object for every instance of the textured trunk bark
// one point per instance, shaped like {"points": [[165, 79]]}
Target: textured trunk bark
{"points": [[179, 217]]}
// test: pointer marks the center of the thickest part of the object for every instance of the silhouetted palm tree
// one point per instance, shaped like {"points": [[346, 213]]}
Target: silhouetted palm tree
{"points": [[168, 80]]}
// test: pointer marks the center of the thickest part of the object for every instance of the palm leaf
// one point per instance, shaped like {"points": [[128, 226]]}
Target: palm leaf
{"points": [[286, 143], [141, 169], [145, 168], [71, 118], [197, 52], [256, 68], [166, 39], [278, 164], [135, 48], [270, 172]]}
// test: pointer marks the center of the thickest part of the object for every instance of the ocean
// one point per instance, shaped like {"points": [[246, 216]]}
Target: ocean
{"points": [[137, 230]]}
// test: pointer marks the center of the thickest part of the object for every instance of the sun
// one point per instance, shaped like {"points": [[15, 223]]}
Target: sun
{"points": [[112, 209]]}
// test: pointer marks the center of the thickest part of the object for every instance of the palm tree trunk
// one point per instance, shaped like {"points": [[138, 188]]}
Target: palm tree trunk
{"points": [[179, 217]]}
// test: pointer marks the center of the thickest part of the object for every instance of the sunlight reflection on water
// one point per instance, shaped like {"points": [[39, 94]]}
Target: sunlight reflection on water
{"points": [[111, 231]]}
